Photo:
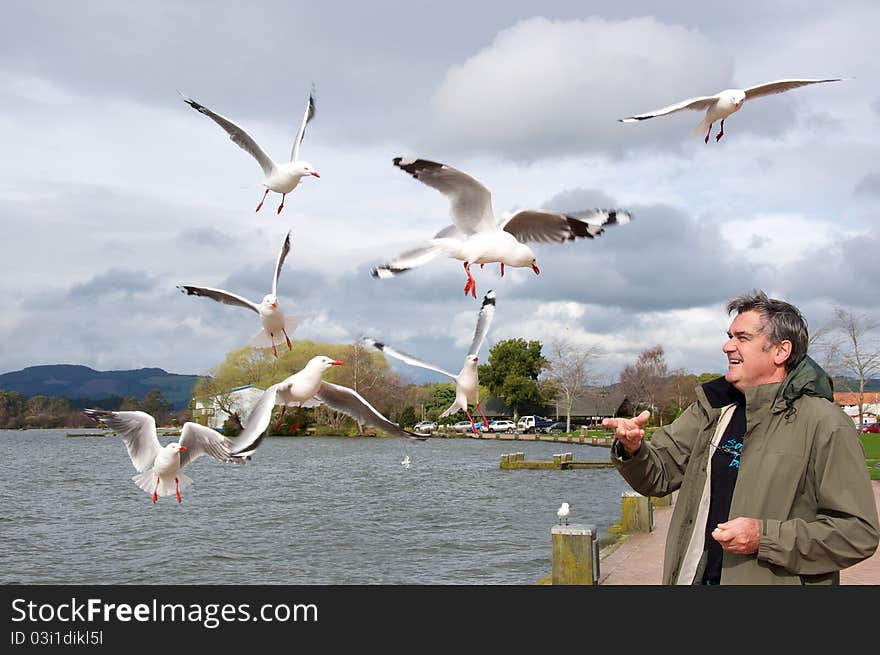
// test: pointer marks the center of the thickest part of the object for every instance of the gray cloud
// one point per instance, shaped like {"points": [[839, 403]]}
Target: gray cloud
{"points": [[114, 281], [869, 185]]}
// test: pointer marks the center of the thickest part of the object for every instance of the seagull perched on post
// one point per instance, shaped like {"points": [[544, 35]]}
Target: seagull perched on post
{"points": [[279, 177], [563, 513], [476, 238], [467, 384], [724, 103], [306, 388], [272, 318], [160, 466]]}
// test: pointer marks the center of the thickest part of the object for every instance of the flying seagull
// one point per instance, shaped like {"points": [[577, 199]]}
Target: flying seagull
{"points": [[307, 389], [272, 318], [476, 238], [724, 103], [563, 512], [158, 466], [279, 177], [467, 384]]}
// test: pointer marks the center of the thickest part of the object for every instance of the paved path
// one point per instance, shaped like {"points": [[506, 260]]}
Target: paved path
{"points": [[639, 559]]}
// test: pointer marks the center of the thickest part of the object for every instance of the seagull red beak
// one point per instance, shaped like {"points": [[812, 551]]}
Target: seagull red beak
{"points": [[274, 305], [536, 269], [315, 174], [338, 362], [183, 447]]}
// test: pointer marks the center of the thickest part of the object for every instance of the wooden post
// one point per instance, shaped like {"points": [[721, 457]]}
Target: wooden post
{"points": [[637, 512], [575, 555]]}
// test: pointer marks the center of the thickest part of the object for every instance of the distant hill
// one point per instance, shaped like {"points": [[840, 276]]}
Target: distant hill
{"points": [[851, 384], [81, 382]]}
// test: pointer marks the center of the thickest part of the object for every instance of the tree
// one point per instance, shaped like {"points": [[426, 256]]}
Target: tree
{"points": [[570, 371], [408, 416], [512, 372], [678, 393], [12, 406], [857, 353], [643, 381], [155, 405]]}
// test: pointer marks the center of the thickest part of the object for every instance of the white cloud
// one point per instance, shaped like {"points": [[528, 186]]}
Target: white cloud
{"points": [[546, 87]]}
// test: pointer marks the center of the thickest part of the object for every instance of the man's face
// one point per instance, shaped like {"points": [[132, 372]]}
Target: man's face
{"points": [[749, 364]]}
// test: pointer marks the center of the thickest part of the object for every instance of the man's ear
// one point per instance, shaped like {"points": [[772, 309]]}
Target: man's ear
{"points": [[783, 352]]}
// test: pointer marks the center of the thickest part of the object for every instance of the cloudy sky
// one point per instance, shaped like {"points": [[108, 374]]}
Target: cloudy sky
{"points": [[113, 191]]}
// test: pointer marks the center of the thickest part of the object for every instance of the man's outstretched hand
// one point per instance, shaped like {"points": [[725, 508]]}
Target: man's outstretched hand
{"points": [[630, 431]]}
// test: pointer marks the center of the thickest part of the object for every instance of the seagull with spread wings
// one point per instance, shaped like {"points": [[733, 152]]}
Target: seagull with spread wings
{"points": [[274, 322], [724, 103], [160, 467], [306, 388], [467, 384], [279, 177], [476, 238]]}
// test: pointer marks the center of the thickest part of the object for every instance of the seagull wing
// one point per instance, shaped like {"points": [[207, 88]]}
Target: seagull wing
{"points": [[701, 102], [556, 227], [220, 296], [471, 202], [239, 137], [256, 423], [282, 255], [409, 359], [138, 431], [307, 117], [416, 257], [781, 86], [201, 440], [350, 402], [484, 320]]}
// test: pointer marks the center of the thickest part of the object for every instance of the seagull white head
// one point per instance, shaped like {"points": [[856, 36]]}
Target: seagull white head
{"points": [[304, 168], [175, 447], [270, 301], [736, 97], [322, 363]]}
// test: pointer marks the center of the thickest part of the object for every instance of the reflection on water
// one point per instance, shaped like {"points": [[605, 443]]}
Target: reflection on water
{"points": [[306, 510]]}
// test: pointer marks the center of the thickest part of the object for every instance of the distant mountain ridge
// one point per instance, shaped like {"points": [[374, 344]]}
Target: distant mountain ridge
{"points": [[74, 381]]}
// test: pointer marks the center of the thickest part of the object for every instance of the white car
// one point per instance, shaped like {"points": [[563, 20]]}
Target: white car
{"points": [[425, 426], [500, 425], [463, 426]]}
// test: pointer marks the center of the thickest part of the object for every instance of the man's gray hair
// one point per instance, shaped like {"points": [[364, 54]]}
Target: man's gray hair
{"points": [[782, 322]]}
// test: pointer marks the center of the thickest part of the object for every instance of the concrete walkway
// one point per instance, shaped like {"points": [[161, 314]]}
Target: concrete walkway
{"points": [[638, 560]]}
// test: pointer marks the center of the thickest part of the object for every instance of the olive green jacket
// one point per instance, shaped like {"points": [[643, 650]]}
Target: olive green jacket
{"points": [[802, 473]]}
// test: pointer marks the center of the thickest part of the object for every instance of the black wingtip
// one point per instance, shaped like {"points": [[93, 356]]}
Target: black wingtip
{"points": [[489, 298]]}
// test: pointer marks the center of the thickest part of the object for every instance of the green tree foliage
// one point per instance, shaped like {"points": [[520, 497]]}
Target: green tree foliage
{"points": [[46, 412], [408, 417], [442, 396], [155, 405], [512, 372]]}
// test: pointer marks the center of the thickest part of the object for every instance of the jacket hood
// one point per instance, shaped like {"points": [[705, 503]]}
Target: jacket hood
{"points": [[805, 379]]}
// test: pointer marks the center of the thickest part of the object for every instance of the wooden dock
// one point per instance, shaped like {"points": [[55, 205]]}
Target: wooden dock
{"points": [[560, 462]]}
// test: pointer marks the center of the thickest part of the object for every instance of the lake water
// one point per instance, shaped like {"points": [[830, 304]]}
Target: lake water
{"points": [[305, 510]]}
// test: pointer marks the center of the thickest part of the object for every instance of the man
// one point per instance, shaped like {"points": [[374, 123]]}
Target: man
{"points": [[771, 474]]}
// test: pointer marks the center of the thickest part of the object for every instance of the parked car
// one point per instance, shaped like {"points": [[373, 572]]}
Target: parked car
{"points": [[425, 426], [556, 426], [534, 423], [873, 427], [499, 425], [462, 426]]}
